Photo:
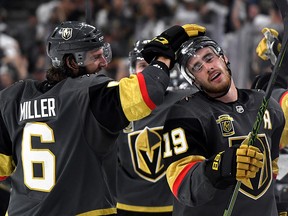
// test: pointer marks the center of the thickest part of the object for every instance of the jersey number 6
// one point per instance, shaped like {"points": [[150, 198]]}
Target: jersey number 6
{"points": [[43, 157]]}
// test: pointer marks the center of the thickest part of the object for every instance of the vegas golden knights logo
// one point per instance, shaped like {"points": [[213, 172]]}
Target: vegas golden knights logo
{"points": [[66, 33], [256, 187], [145, 149], [226, 124]]}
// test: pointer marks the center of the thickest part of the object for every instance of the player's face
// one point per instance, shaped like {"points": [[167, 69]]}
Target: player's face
{"points": [[210, 71], [95, 61], [140, 65]]}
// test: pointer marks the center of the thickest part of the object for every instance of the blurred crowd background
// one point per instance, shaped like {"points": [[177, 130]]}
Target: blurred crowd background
{"points": [[235, 24]]}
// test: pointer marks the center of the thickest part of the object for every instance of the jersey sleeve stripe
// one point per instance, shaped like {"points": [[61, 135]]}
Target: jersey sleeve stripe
{"points": [[6, 165], [181, 176], [284, 105], [2, 178], [177, 171], [284, 96], [131, 97], [144, 91]]}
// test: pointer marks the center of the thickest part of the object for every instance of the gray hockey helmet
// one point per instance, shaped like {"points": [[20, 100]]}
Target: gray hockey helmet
{"points": [[136, 54], [75, 37], [189, 48]]}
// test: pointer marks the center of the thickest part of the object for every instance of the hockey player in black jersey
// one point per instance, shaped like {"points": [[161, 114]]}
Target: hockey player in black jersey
{"points": [[268, 48], [142, 188], [54, 135], [206, 147]]}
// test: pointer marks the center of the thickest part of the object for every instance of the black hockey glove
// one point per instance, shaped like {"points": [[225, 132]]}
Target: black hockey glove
{"points": [[235, 163], [169, 41]]}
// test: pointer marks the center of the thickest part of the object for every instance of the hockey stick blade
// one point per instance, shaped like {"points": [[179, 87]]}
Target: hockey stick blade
{"points": [[279, 68]]}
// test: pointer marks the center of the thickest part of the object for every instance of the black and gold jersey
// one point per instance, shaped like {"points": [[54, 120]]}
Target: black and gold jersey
{"points": [[200, 127], [53, 144], [281, 95], [141, 183]]}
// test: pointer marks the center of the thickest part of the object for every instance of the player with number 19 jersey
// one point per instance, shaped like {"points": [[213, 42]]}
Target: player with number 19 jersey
{"points": [[213, 123], [141, 184]]}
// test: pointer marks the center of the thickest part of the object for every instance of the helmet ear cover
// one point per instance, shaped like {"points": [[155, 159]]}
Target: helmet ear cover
{"points": [[75, 37]]}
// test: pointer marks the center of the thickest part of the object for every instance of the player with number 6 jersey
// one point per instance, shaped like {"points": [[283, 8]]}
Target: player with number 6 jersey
{"points": [[55, 135]]}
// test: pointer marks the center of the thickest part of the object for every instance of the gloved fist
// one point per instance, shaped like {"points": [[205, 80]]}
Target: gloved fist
{"points": [[169, 41], [193, 30], [269, 47], [249, 160], [235, 163]]}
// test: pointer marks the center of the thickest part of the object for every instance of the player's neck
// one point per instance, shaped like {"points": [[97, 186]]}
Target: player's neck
{"points": [[231, 96]]}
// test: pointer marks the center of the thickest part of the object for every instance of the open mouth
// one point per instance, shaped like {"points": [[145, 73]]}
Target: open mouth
{"points": [[215, 76]]}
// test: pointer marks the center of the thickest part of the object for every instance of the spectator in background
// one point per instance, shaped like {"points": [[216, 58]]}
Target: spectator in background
{"points": [[11, 53], [116, 21], [147, 23], [157, 15], [51, 13], [8, 75], [241, 43], [43, 14], [187, 10], [32, 49], [164, 10], [272, 20], [13, 66], [214, 14]]}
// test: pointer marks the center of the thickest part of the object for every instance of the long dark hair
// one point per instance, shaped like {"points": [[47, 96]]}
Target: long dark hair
{"points": [[57, 74]]}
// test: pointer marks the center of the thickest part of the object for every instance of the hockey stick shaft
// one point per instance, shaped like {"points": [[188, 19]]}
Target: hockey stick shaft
{"points": [[259, 118], [88, 14]]}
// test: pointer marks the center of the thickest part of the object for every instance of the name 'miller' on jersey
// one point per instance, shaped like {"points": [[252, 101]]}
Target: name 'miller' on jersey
{"points": [[39, 108]]}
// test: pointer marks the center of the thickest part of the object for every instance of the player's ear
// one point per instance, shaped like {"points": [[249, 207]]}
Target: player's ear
{"points": [[71, 63]]}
